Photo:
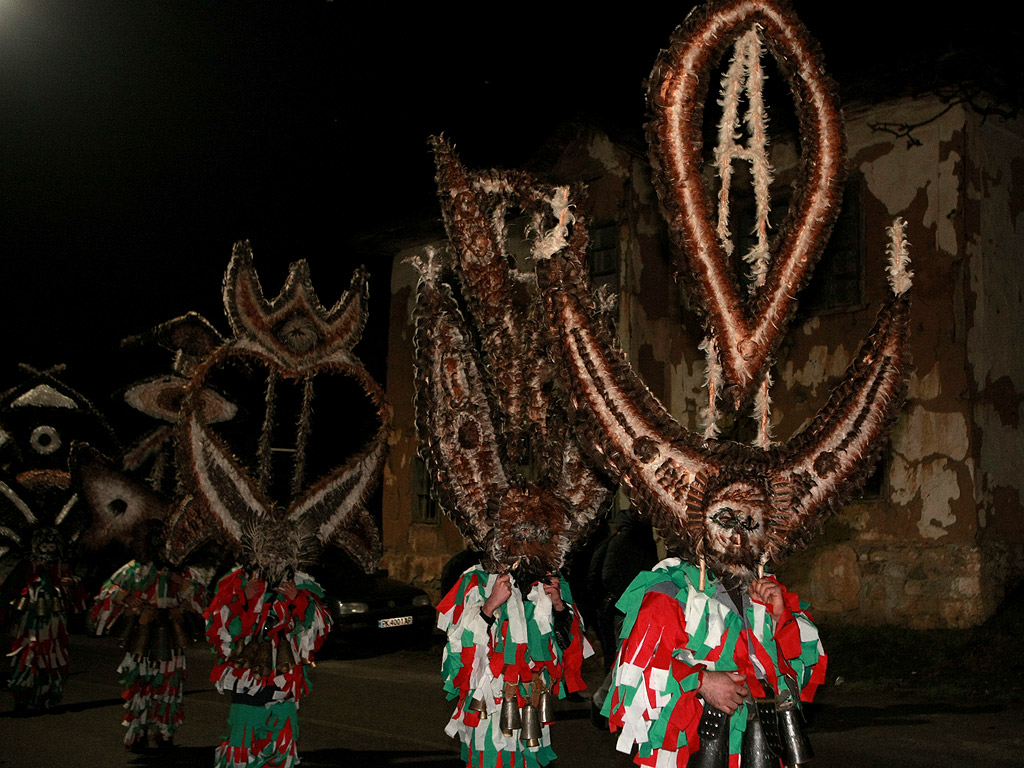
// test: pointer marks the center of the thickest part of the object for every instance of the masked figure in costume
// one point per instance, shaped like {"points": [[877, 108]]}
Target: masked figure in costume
{"points": [[41, 592], [265, 622], [266, 619], [486, 404], [709, 661], [511, 651], [716, 658], [41, 523], [151, 598]]}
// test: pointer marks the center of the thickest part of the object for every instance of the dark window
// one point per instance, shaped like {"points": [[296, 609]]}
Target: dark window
{"points": [[424, 508], [604, 257], [838, 281], [876, 486]]}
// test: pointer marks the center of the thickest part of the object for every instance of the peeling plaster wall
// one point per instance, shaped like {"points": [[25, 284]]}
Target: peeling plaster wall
{"points": [[994, 192], [926, 554], [943, 540]]}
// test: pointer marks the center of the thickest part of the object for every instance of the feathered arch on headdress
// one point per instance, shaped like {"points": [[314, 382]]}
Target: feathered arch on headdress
{"points": [[746, 326], [290, 338]]}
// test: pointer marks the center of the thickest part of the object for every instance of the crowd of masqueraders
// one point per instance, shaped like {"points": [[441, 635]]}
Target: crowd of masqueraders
{"points": [[708, 658]]}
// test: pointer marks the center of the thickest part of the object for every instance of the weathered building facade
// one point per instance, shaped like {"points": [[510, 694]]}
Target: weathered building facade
{"points": [[938, 535]]}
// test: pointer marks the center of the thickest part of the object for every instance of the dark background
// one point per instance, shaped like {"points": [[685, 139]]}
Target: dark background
{"points": [[139, 139]]}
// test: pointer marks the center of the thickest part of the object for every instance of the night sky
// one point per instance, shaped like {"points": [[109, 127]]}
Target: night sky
{"points": [[140, 138]]}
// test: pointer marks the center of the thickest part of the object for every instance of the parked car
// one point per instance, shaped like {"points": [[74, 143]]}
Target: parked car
{"points": [[369, 610]]}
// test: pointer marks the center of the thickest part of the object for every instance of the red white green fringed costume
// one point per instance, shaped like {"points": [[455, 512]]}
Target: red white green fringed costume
{"points": [[264, 644], [673, 632], [39, 635], [519, 647], [153, 669]]}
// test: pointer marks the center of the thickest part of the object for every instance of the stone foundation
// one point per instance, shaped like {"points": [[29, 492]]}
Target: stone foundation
{"points": [[919, 587]]}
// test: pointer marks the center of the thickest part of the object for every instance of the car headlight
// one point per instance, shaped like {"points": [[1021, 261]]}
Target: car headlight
{"points": [[346, 608], [420, 601]]}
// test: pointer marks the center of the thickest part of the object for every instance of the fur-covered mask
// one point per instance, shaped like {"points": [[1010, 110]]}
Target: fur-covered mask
{"points": [[47, 546], [529, 539], [735, 530], [277, 548], [149, 542]]}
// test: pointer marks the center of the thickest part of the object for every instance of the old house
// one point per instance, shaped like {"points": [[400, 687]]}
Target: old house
{"points": [[937, 536]]}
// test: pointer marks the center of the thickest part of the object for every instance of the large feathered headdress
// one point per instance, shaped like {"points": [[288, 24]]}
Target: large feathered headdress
{"points": [[490, 416], [294, 348], [680, 479]]}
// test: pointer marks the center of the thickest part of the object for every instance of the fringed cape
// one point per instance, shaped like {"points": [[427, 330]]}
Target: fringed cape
{"points": [[153, 688], [672, 633], [519, 648]]}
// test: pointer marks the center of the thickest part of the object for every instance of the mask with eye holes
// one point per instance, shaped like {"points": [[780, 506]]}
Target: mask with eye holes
{"points": [[47, 546], [735, 529], [277, 547]]}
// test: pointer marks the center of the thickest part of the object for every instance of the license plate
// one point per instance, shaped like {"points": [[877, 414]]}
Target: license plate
{"points": [[397, 621]]}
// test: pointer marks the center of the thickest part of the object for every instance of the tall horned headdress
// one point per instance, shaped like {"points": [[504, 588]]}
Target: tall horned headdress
{"points": [[486, 401], [736, 505], [295, 343]]}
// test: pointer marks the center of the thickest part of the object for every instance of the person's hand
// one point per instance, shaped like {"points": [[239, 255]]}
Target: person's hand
{"points": [[288, 589], [724, 690], [502, 591], [133, 601], [554, 589], [768, 592], [253, 588]]}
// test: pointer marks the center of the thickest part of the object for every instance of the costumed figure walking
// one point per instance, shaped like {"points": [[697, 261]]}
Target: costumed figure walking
{"points": [[713, 666], [486, 405], [519, 647], [150, 598], [266, 619], [41, 592], [264, 626], [41, 523], [715, 658]]}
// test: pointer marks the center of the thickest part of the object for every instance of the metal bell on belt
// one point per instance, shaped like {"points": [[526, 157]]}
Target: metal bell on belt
{"points": [[162, 643], [129, 622], [546, 706], [178, 633], [510, 719], [139, 643], [477, 704], [285, 657], [44, 605], [755, 750], [530, 734], [264, 658], [796, 748]]}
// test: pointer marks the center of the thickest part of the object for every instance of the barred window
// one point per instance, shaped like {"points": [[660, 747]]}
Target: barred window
{"points": [[604, 256]]}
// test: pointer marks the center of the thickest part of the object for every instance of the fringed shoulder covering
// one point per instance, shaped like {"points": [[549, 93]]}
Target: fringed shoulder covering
{"points": [[672, 634]]}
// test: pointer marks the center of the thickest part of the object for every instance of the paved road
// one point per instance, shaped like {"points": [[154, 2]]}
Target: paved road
{"points": [[388, 710]]}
